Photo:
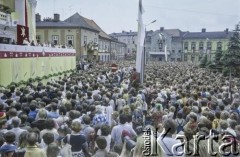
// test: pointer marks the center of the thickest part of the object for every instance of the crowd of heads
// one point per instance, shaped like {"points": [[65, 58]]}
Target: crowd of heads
{"points": [[97, 112]]}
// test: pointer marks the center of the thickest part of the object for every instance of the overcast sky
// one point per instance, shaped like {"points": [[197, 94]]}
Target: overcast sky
{"points": [[117, 15]]}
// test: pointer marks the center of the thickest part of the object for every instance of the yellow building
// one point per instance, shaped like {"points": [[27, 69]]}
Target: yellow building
{"points": [[73, 32], [197, 44]]}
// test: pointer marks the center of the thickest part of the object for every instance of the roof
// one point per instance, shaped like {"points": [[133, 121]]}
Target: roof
{"points": [[55, 24], [95, 26], [124, 34], [171, 32], [77, 19], [209, 35], [116, 40]]}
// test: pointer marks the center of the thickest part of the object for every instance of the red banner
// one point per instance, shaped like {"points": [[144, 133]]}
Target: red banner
{"points": [[22, 33]]}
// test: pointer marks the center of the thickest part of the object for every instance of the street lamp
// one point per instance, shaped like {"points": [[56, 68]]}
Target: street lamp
{"points": [[145, 53], [151, 23]]}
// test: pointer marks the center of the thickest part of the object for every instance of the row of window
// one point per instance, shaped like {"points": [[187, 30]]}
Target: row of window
{"points": [[55, 39], [86, 40], [201, 46], [128, 41]]}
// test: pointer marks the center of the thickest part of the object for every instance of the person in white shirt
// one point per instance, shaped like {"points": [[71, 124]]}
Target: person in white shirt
{"points": [[109, 112]]}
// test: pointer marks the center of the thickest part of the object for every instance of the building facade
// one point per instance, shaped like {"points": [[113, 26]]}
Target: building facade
{"points": [[7, 29], [72, 32], [164, 41], [81, 33], [118, 50], [129, 38], [197, 44]]}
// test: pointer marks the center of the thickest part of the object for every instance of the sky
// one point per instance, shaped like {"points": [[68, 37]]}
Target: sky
{"points": [[118, 15]]}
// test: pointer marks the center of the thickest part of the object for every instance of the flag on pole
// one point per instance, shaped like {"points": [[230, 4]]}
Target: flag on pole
{"points": [[140, 43], [165, 51]]}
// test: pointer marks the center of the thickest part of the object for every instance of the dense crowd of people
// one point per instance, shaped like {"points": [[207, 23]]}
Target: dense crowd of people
{"points": [[99, 113]]}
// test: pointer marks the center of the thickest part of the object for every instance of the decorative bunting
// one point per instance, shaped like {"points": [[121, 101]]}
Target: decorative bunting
{"points": [[7, 54]]}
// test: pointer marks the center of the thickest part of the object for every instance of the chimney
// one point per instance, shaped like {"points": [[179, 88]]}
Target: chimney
{"points": [[123, 31], [130, 31], [56, 17], [161, 29], [38, 17], [226, 30], [204, 30]]}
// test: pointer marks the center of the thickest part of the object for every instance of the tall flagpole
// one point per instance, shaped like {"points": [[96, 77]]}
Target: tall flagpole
{"points": [[140, 44]]}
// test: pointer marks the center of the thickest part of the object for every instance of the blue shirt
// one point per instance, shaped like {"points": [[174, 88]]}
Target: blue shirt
{"points": [[99, 119], [52, 114]]}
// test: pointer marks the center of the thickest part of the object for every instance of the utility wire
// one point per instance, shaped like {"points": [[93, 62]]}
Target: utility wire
{"points": [[193, 11]]}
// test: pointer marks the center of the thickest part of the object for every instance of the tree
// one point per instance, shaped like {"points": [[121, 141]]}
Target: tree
{"points": [[231, 59], [203, 62], [217, 63]]}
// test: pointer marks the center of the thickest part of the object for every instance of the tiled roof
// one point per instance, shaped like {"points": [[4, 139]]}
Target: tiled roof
{"points": [[209, 35], [171, 32], [124, 34], [95, 26], [79, 20], [74, 21], [55, 24]]}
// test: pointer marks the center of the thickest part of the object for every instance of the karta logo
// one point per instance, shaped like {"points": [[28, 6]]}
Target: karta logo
{"points": [[181, 146]]}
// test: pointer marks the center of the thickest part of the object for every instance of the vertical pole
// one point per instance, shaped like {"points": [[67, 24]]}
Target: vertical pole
{"points": [[230, 84], [145, 54], [143, 66], [165, 50]]}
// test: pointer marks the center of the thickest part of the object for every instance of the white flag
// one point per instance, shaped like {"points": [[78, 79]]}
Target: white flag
{"points": [[140, 43]]}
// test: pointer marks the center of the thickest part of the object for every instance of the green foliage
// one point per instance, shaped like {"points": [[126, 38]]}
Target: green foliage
{"points": [[225, 71], [231, 59], [203, 62], [30, 80], [45, 77], [38, 78], [218, 61]]}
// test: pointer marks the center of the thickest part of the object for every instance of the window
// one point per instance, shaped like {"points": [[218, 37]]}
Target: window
{"points": [[201, 45], [70, 40], [219, 46], [133, 41], [55, 39], [95, 40], [179, 51], [3, 16], [85, 39], [173, 51], [128, 41], [160, 43], [209, 45], [100, 45], [38, 38], [193, 45], [186, 46]]}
